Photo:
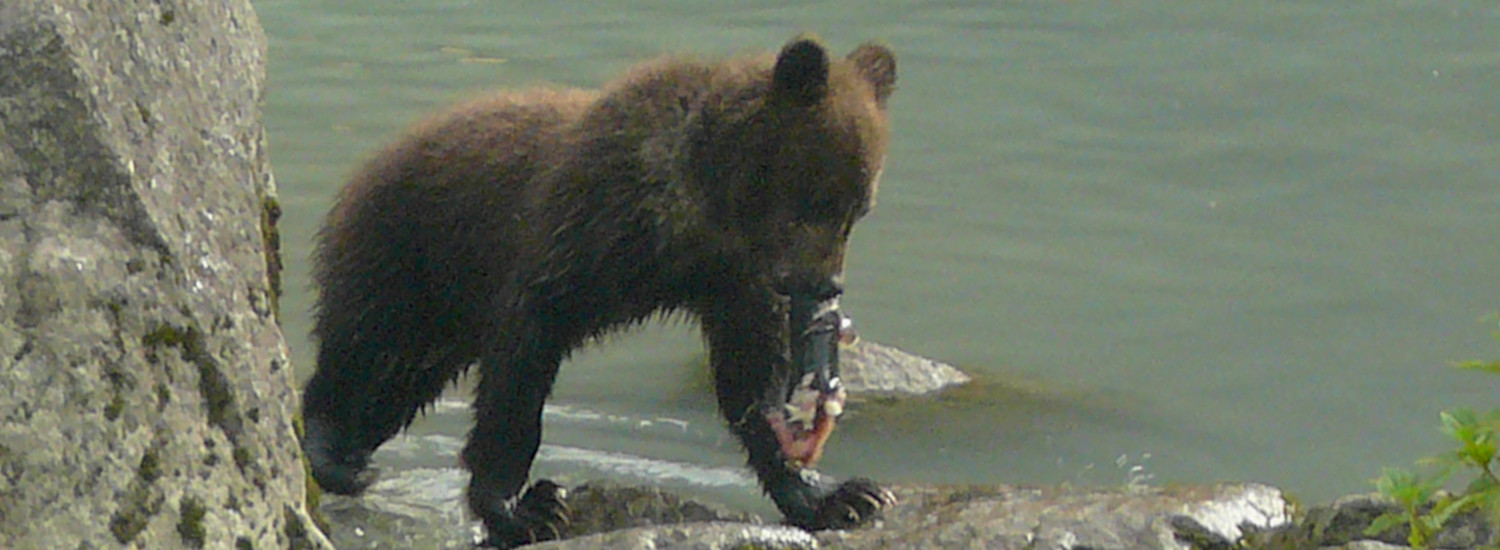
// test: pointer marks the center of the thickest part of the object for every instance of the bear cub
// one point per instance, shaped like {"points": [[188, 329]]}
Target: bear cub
{"points": [[518, 227]]}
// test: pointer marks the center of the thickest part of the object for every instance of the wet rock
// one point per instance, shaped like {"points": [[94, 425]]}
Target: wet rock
{"points": [[869, 369], [1368, 545], [693, 536], [603, 506], [148, 396], [873, 370], [1009, 517], [999, 518], [1342, 524], [416, 508], [422, 510]]}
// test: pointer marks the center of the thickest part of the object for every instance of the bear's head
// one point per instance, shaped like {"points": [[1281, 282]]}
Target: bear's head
{"points": [[793, 158]]}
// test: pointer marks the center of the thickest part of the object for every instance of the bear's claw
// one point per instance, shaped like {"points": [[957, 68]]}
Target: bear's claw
{"points": [[539, 516], [854, 503], [543, 508]]}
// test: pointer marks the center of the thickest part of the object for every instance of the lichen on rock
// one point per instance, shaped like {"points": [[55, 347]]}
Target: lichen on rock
{"points": [[147, 401]]}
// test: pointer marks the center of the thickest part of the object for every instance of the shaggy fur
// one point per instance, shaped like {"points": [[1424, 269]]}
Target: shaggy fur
{"points": [[513, 229]]}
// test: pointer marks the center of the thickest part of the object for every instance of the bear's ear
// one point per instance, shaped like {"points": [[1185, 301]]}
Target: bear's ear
{"points": [[801, 73], [877, 64]]}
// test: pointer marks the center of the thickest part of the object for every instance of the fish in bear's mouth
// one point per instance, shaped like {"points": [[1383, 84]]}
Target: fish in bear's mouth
{"points": [[803, 416], [804, 423]]}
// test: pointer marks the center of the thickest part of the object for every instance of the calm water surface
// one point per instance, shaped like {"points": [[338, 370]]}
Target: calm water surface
{"points": [[1217, 240]]}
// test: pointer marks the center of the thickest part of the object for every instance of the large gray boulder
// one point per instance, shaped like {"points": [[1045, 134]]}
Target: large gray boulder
{"points": [[147, 397]]}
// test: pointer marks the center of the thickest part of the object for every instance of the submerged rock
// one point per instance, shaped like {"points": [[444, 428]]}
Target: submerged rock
{"points": [[869, 369], [873, 370], [148, 399]]}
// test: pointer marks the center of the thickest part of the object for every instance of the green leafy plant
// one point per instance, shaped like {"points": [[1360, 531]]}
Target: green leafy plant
{"points": [[1424, 507]]}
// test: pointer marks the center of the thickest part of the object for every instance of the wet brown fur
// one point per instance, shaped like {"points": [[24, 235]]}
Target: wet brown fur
{"points": [[514, 228]]}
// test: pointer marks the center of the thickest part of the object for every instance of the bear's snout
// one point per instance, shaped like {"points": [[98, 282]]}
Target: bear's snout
{"points": [[817, 287]]}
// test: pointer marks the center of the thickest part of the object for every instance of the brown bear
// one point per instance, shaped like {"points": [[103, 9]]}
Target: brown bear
{"points": [[517, 228]]}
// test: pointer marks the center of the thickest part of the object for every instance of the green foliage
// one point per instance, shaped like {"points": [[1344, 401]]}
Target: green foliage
{"points": [[1424, 506], [1492, 367]]}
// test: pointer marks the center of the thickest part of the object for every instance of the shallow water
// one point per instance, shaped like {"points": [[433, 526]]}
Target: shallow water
{"points": [[1210, 240]]}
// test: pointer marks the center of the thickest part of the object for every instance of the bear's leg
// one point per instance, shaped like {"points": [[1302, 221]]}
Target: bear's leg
{"points": [[501, 447], [333, 402], [747, 354], [354, 403]]}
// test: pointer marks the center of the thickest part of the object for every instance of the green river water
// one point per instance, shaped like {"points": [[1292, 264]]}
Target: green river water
{"points": [[1181, 241]]}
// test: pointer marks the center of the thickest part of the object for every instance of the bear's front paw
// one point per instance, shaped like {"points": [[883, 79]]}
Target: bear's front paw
{"points": [[336, 470], [344, 478], [855, 502], [540, 515]]}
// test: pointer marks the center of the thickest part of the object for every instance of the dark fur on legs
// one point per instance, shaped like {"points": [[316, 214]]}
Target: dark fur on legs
{"points": [[739, 362]]}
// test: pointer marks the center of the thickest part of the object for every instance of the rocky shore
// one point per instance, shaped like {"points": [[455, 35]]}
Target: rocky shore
{"points": [[419, 509]]}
